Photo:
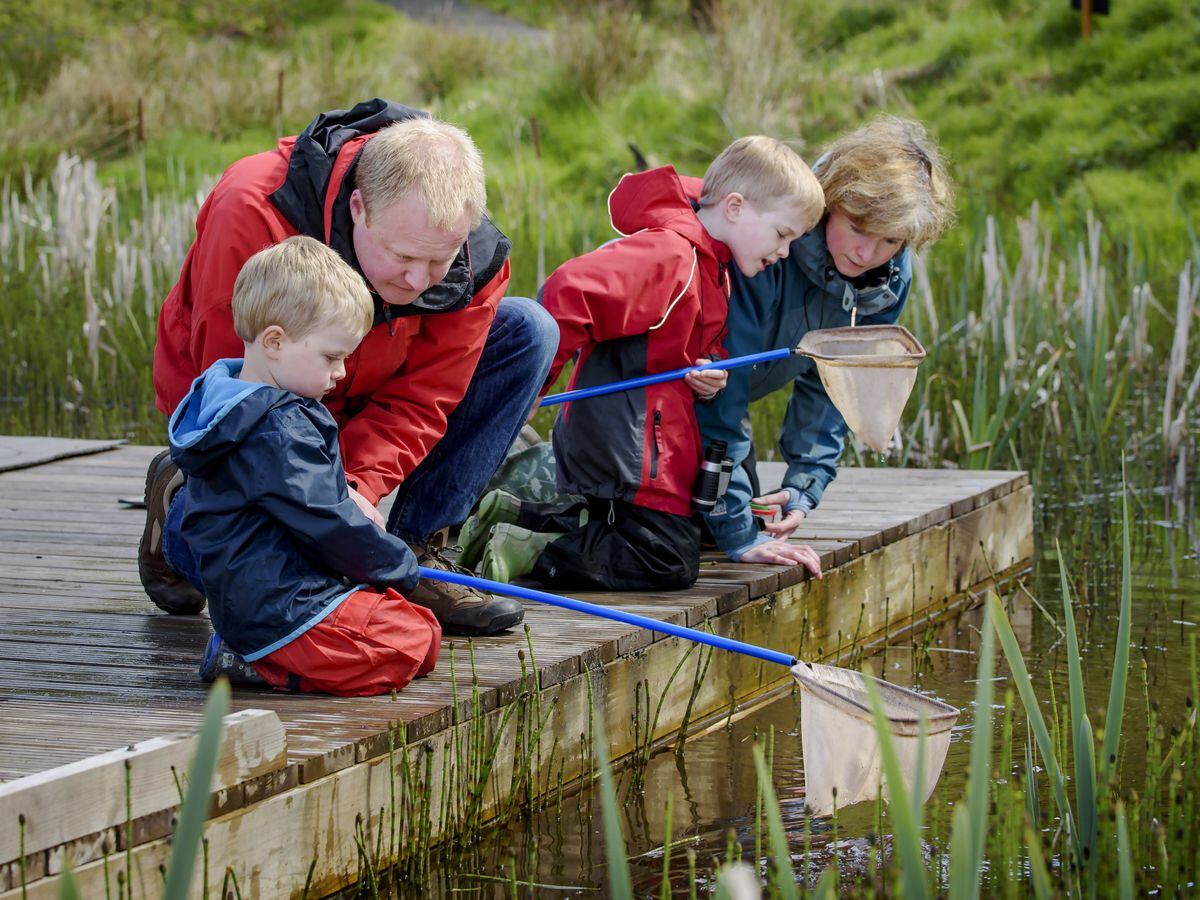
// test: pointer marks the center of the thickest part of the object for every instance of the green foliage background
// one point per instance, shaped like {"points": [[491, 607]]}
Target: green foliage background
{"points": [[1023, 107]]}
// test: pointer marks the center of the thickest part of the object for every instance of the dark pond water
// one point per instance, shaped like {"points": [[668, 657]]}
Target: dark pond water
{"points": [[711, 787]]}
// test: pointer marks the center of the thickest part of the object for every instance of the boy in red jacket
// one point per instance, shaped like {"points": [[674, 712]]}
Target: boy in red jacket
{"points": [[652, 301]]}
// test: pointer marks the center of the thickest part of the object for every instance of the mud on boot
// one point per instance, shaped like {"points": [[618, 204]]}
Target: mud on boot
{"points": [[169, 590], [496, 507], [511, 551], [460, 610]]}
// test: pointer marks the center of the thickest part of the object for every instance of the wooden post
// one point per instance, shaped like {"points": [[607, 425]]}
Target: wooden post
{"points": [[141, 122], [1085, 13], [536, 134], [279, 105]]}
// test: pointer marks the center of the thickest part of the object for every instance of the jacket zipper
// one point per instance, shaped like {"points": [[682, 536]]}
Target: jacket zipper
{"points": [[656, 447]]}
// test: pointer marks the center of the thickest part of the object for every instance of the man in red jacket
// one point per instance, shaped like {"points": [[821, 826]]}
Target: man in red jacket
{"points": [[437, 390]]}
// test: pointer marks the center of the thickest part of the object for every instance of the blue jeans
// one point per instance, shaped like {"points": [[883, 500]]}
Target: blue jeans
{"points": [[515, 361], [175, 549]]}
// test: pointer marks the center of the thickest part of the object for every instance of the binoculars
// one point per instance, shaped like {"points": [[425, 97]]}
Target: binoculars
{"points": [[713, 479]]}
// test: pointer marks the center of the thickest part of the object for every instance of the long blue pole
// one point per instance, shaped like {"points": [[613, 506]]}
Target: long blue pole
{"points": [[606, 612], [631, 383]]}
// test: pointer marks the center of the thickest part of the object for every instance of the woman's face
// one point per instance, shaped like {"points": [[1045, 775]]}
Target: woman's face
{"points": [[854, 251]]}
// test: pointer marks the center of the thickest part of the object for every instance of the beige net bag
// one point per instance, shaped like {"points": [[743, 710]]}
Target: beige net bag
{"points": [[842, 760], [868, 372]]}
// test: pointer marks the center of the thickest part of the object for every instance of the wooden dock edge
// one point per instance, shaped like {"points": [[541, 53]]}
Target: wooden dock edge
{"points": [[544, 735], [72, 813]]}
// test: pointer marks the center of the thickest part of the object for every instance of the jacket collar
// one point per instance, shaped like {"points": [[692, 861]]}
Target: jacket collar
{"points": [[322, 168], [871, 291]]}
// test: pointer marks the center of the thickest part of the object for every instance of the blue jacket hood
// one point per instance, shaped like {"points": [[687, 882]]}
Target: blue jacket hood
{"points": [[217, 413]]}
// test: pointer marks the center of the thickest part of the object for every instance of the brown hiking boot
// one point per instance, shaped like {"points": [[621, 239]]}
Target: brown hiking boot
{"points": [[169, 590], [459, 609]]}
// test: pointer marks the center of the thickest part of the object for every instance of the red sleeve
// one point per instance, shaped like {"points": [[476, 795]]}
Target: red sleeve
{"points": [[196, 323], [407, 414], [619, 290]]}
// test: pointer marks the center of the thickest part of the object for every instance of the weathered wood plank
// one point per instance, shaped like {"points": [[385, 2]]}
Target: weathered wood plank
{"points": [[86, 797]]}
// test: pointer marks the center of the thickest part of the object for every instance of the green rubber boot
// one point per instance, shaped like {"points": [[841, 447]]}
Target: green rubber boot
{"points": [[496, 507], [511, 551]]}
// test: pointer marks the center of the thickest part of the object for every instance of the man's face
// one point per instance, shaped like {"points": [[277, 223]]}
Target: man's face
{"points": [[399, 252], [854, 250]]}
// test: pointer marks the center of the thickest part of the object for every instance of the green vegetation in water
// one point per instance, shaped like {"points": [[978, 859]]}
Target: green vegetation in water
{"points": [[1102, 836]]}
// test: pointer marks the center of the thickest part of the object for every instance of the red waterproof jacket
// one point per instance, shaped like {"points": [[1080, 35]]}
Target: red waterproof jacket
{"points": [[655, 300], [412, 368]]}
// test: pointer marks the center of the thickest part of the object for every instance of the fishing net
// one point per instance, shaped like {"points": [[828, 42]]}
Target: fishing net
{"points": [[842, 759], [868, 373]]}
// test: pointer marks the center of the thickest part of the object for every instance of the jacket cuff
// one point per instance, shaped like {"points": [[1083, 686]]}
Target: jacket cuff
{"points": [[809, 489], [798, 500]]}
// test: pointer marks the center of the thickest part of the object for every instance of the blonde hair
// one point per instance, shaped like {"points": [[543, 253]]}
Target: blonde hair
{"points": [[767, 173], [300, 285], [435, 158], [890, 178]]}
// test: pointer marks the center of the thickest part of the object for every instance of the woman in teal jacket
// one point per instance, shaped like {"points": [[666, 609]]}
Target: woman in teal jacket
{"points": [[887, 195]]}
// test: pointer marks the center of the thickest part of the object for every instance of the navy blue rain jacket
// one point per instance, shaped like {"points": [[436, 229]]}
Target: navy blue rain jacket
{"points": [[277, 542], [774, 309]]}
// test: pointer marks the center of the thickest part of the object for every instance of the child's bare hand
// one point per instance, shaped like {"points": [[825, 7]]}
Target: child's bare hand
{"points": [[368, 510], [706, 384], [781, 553], [789, 523]]}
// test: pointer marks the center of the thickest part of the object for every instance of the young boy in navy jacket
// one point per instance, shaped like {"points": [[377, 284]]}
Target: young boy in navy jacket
{"points": [[652, 301], [301, 584]]}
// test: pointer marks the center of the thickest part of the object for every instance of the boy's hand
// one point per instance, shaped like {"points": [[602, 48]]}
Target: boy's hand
{"points": [[781, 553], [368, 510], [706, 384], [790, 522]]}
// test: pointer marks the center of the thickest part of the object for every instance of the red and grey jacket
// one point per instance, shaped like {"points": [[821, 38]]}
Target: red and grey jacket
{"points": [[655, 300], [412, 368]]}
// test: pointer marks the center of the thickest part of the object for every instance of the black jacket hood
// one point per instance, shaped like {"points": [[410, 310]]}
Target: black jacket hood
{"points": [[301, 199]]}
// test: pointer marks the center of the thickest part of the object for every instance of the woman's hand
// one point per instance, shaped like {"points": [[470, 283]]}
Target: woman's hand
{"points": [[706, 384], [368, 510], [781, 553], [790, 522]]}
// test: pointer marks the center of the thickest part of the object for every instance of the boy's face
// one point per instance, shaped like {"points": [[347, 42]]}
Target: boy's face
{"points": [[757, 237], [855, 250], [310, 366], [399, 252]]}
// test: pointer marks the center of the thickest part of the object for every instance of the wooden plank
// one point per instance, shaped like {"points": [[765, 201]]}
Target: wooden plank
{"points": [[76, 800], [22, 452]]}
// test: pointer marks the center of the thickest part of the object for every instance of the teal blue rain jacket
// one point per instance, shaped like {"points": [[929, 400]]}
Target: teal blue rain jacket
{"points": [[776, 308]]}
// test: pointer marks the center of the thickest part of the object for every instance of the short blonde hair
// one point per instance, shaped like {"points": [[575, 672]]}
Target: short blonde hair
{"points": [[435, 158], [767, 173], [890, 178], [300, 285]]}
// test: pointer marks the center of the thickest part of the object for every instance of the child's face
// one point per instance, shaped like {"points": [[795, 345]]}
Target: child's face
{"points": [[310, 366], [757, 238], [854, 250]]}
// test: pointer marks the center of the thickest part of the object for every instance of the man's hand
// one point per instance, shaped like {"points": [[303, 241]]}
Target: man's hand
{"points": [[706, 384], [790, 522], [368, 510], [781, 553]]}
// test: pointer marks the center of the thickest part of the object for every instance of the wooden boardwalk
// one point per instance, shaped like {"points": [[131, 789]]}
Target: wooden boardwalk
{"points": [[88, 665]]}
